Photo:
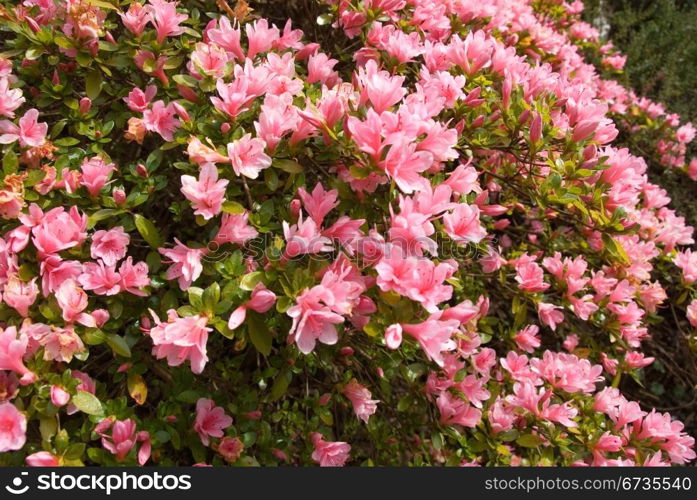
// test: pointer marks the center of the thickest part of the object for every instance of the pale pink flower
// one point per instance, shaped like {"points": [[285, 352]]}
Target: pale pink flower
{"points": [[137, 100], [404, 164], [100, 278], [550, 314], [261, 300], [329, 453], [161, 119], [133, 277], [247, 156], [59, 396], [73, 301], [692, 313], [527, 338], [61, 344], [260, 38], [95, 174], [435, 337], [42, 459], [59, 230], [20, 295], [110, 246], [463, 225], [208, 59], [227, 36], [319, 203], [186, 263], [313, 319], [13, 428], [379, 87], [210, 420], [181, 339], [207, 193], [360, 397], [13, 347], [529, 275], [29, 133], [320, 68], [123, 438], [304, 238], [687, 261], [235, 228], [135, 18], [393, 336], [165, 19], [10, 99]]}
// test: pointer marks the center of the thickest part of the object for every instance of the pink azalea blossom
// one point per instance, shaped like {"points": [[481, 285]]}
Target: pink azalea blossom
{"points": [[329, 453], [235, 228], [164, 16], [207, 193], [13, 346], [185, 263], [100, 278], [29, 133], [110, 246], [137, 100], [319, 203], [550, 314], [95, 174], [73, 301], [181, 339], [161, 119], [133, 277], [135, 18], [462, 224], [42, 459], [10, 99], [304, 238], [20, 295], [313, 319], [248, 157], [210, 420], [59, 396], [13, 428], [360, 397]]}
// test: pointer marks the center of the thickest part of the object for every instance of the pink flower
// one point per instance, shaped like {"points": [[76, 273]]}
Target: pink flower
{"points": [[181, 339], [404, 164], [304, 238], [12, 349], [360, 397], [455, 410], [208, 59], [381, 89], [207, 193], [329, 453], [95, 174], [135, 18], [527, 339], [59, 230], [393, 336], [261, 300], [123, 438], [550, 314], [100, 278], [164, 16], [235, 228], [61, 344], [13, 428], [692, 313], [313, 319], [137, 100], [462, 224], [73, 301], [320, 68], [210, 420], [234, 97], [42, 459], [319, 203], [248, 157], [260, 38], [133, 277], [230, 448], [160, 119], [186, 263], [529, 275], [110, 246], [10, 99], [29, 133], [435, 337], [59, 396], [20, 295], [227, 37], [687, 261]]}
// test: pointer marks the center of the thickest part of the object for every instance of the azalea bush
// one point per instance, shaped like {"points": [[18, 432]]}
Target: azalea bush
{"points": [[225, 244]]}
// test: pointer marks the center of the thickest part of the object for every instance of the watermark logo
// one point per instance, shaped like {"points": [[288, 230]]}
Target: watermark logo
{"points": [[18, 487]]}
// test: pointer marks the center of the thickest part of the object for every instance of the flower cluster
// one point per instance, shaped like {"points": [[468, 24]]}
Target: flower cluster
{"points": [[223, 244]]}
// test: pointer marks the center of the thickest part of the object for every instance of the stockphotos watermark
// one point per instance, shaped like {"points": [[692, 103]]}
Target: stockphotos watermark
{"points": [[97, 482]]}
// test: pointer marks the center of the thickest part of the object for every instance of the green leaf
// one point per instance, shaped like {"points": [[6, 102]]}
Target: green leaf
{"points": [[10, 163], [102, 214], [280, 385], [529, 441], [250, 280], [148, 231], [88, 403], [118, 345], [259, 333], [232, 207], [290, 166], [93, 84], [75, 451]]}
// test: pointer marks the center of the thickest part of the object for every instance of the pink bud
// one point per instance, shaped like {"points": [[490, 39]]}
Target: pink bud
{"points": [[33, 25], [295, 208], [346, 351], [393, 336], [56, 79], [225, 128], [85, 105], [583, 130], [279, 454], [187, 93], [119, 196], [253, 415], [59, 396], [110, 38], [42, 459], [124, 367], [324, 399], [590, 152], [181, 111], [142, 171], [171, 418], [478, 122], [524, 117], [536, 128]]}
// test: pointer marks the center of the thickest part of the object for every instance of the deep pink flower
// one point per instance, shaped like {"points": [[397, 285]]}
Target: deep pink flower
{"points": [[210, 420]]}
